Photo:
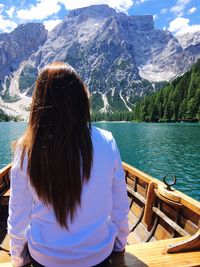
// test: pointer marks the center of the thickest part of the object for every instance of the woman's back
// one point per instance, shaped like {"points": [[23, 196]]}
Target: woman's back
{"points": [[99, 223]]}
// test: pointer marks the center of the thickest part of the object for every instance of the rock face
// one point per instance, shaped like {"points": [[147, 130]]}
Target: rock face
{"points": [[119, 57], [188, 39], [18, 45]]}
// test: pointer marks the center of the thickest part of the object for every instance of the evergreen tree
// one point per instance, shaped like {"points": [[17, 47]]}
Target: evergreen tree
{"points": [[182, 110], [178, 101], [191, 109], [168, 112]]}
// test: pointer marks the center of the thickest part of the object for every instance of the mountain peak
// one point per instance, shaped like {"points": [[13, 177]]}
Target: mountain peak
{"points": [[93, 11], [28, 26]]}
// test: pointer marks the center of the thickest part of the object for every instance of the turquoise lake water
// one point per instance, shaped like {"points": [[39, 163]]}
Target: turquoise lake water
{"points": [[154, 148]]}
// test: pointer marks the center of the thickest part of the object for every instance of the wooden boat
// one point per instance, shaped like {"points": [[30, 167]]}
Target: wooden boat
{"points": [[164, 223]]}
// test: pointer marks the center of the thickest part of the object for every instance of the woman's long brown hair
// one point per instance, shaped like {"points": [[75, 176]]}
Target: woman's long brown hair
{"points": [[58, 140]]}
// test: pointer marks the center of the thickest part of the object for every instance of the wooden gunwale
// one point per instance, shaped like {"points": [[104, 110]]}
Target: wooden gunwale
{"points": [[185, 200], [5, 170]]}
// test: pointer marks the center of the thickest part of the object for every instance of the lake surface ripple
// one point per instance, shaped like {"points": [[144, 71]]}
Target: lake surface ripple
{"points": [[155, 148]]}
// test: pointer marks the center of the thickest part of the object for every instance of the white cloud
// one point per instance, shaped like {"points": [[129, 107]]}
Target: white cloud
{"points": [[43, 9], [141, 1], [163, 11], [10, 11], [180, 6], [52, 23], [119, 5], [192, 10], [181, 25], [155, 16], [6, 25]]}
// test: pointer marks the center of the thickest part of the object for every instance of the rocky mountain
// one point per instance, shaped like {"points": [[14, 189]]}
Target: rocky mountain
{"points": [[120, 57], [188, 39], [18, 45]]}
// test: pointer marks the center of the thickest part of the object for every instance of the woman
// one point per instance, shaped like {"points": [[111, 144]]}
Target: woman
{"points": [[68, 203]]}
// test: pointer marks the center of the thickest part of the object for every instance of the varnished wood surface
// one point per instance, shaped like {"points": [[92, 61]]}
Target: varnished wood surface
{"points": [[154, 254], [4, 255], [186, 245], [167, 200], [151, 254], [185, 200], [5, 170], [171, 195]]}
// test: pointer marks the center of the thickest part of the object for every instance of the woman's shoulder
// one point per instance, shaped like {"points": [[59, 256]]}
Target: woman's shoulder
{"points": [[103, 138], [101, 134], [18, 153]]}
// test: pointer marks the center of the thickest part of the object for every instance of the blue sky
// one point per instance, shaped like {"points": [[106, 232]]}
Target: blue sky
{"points": [[178, 16]]}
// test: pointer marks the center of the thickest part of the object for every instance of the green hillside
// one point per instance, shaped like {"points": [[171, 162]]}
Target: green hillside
{"points": [[177, 101]]}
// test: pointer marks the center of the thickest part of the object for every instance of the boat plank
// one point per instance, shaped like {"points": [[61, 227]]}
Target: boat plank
{"points": [[162, 232], [130, 182], [191, 215], [188, 226], [131, 176], [132, 220], [136, 209], [141, 190], [4, 249], [154, 254], [169, 211], [136, 194], [170, 222]]}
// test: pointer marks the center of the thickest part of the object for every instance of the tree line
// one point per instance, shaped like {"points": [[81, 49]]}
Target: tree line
{"points": [[177, 101], [112, 116]]}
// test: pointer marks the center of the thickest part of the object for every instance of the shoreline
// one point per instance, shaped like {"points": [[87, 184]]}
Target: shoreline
{"points": [[140, 122]]}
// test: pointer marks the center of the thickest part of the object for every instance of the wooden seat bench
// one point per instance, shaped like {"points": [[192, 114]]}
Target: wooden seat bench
{"points": [[149, 254]]}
